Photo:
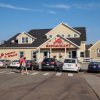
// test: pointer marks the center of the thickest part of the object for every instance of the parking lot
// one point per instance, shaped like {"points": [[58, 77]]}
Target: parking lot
{"points": [[46, 85]]}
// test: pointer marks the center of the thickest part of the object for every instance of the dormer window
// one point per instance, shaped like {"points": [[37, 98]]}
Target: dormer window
{"points": [[24, 39]]}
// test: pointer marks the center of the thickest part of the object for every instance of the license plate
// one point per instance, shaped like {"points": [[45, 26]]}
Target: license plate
{"points": [[69, 65], [94, 66], [47, 64]]}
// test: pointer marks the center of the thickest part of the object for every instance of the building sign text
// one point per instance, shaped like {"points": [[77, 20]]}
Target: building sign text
{"points": [[7, 55]]}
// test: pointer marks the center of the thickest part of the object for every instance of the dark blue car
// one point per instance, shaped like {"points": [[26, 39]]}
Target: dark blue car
{"points": [[51, 63], [94, 66]]}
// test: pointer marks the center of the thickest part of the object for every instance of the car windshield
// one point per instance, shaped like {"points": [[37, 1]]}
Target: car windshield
{"points": [[69, 61], [48, 60], [16, 61], [96, 63], [28, 61]]}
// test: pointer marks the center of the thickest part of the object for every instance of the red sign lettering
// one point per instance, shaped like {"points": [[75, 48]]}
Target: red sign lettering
{"points": [[9, 54], [64, 45], [58, 43]]}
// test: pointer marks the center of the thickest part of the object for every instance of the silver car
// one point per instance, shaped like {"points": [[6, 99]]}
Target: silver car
{"points": [[5, 63]]}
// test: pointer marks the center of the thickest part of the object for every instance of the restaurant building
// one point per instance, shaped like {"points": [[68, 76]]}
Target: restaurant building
{"points": [[61, 40]]}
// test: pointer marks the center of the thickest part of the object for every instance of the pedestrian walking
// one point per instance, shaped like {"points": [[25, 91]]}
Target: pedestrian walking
{"points": [[23, 66]]}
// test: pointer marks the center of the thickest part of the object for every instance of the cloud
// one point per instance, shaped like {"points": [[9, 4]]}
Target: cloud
{"points": [[18, 8], [87, 6], [51, 12], [57, 6], [90, 5]]}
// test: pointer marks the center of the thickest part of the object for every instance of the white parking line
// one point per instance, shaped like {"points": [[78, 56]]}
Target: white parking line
{"points": [[46, 74], [34, 73], [70, 74], [58, 74], [3, 71], [10, 73]]}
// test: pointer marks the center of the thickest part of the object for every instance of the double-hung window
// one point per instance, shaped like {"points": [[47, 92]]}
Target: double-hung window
{"points": [[21, 54], [81, 54], [24, 39]]}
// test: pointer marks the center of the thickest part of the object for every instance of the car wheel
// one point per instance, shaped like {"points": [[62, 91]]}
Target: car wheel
{"points": [[61, 69], [55, 68], [42, 69], [37, 68]]}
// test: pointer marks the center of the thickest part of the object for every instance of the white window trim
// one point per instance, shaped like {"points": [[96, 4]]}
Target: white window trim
{"points": [[98, 50]]}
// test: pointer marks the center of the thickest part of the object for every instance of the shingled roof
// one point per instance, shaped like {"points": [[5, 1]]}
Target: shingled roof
{"points": [[41, 38]]}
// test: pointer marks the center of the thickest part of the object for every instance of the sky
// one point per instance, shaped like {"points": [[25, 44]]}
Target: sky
{"points": [[17, 16]]}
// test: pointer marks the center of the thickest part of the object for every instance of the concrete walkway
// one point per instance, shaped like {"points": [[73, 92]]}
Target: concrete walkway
{"points": [[94, 82]]}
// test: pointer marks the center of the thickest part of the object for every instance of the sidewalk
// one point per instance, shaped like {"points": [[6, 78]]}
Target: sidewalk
{"points": [[94, 82]]}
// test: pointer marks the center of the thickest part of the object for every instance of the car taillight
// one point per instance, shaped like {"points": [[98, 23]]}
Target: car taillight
{"points": [[43, 62], [52, 62], [89, 65], [1, 62], [76, 65]]}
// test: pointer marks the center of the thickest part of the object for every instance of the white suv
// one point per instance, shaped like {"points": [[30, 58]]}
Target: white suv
{"points": [[71, 64]]}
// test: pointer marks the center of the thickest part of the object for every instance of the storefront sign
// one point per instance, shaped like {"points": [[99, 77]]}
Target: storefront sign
{"points": [[58, 43], [8, 55], [61, 45]]}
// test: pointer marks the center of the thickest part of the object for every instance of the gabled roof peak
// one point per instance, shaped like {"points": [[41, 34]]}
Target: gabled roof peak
{"points": [[66, 25], [28, 34]]}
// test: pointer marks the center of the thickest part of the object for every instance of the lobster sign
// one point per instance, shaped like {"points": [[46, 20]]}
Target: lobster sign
{"points": [[58, 43]]}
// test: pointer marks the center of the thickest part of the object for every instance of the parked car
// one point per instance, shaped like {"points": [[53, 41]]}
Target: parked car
{"points": [[5, 63], [51, 63], [71, 64], [15, 63], [94, 66]]}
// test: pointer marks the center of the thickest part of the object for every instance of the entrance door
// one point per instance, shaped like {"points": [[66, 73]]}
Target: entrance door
{"points": [[74, 55], [46, 54]]}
